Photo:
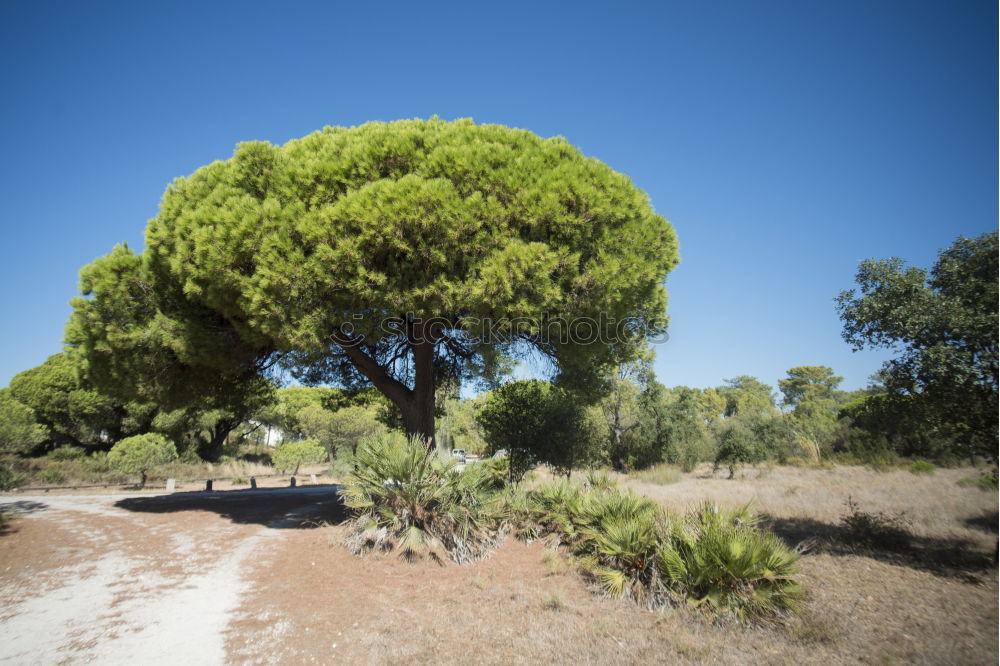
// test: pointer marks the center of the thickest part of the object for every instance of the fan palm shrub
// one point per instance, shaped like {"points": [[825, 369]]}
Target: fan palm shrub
{"points": [[409, 500], [720, 559]]}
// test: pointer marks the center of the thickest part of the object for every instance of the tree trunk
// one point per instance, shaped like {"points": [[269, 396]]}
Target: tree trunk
{"points": [[416, 404], [212, 449], [619, 441], [418, 415], [142, 481]]}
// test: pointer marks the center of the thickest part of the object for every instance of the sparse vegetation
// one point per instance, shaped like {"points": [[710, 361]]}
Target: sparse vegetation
{"points": [[922, 467], [661, 474], [985, 481], [879, 530]]}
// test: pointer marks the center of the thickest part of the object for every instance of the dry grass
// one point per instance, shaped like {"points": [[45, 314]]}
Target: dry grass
{"points": [[525, 604], [934, 505], [662, 474]]}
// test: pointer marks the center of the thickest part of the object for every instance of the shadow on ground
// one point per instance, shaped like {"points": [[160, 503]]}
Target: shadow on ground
{"points": [[948, 557], [10, 509], [281, 508]]}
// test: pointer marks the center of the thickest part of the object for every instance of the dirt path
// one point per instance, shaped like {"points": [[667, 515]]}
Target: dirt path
{"points": [[117, 579], [215, 578]]}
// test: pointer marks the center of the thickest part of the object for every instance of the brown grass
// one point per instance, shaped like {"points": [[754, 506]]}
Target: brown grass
{"points": [[526, 604]]}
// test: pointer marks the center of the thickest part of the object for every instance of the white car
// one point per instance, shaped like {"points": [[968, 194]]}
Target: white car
{"points": [[458, 454]]}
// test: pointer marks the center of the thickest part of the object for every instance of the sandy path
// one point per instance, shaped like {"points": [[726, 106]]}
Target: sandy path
{"points": [[114, 579]]}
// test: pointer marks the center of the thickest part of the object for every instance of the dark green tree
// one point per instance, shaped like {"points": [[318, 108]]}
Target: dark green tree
{"points": [[943, 326], [746, 396], [74, 413], [536, 422], [389, 255], [19, 431]]}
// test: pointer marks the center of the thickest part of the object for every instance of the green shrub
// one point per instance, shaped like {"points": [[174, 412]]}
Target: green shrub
{"points": [[10, 478], [719, 560], [412, 501], [140, 453], [737, 446], [986, 481], [291, 455], [498, 469], [67, 453], [52, 475], [922, 467]]}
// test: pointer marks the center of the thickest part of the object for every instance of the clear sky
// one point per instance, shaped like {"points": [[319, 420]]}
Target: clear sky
{"points": [[786, 141]]}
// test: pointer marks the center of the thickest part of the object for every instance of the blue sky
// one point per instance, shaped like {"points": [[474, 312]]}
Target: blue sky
{"points": [[786, 141]]}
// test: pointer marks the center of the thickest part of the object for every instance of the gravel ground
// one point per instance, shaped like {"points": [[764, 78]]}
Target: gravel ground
{"points": [[116, 579]]}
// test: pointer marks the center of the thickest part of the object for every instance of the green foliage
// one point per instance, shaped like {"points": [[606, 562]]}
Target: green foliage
{"points": [[986, 481], [291, 455], [409, 500], [10, 477], [459, 428], [944, 325], [810, 383], [535, 422], [922, 467], [343, 428], [493, 232], [747, 396], [140, 453], [718, 559], [73, 413], [19, 431], [67, 453], [498, 469], [722, 560], [737, 446]]}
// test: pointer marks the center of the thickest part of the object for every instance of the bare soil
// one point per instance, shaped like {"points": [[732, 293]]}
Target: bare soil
{"points": [[261, 577]]}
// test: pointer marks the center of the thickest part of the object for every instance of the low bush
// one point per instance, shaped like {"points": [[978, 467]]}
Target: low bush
{"points": [[986, 481], [10, 478], [67, 453], [721, 560], [881, 531], [717, 559], [922, 467], [408, 500]]}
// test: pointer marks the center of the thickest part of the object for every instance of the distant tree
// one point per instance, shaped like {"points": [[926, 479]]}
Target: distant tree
{"points": [[810, 383], [672, 425], [459, 428], [344, 428], [943, 326], [74, 413], [535, 422], [390, 255], [19, 431], [738, 445], [746, 396], [621, 407], [712, 405], [141, 453], [292, 455]]}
